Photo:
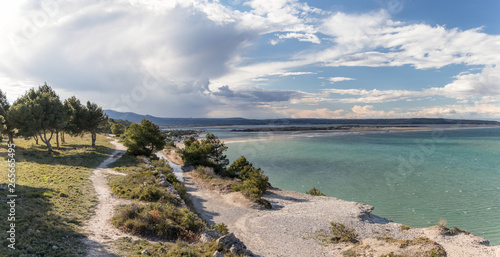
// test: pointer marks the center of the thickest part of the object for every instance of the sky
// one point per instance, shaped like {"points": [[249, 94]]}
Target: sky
{"points": [[259, 58]]}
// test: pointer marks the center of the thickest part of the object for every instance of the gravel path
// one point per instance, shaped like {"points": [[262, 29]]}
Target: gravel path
{"points": [[99, 230]]}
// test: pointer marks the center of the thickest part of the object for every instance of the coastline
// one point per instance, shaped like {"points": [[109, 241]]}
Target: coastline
{"points": [[292, 226], [263, 136]]}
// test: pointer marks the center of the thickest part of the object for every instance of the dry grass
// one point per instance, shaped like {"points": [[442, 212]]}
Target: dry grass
{"points": [[55, 195]]}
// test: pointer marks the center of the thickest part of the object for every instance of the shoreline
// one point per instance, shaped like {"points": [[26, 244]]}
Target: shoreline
{"points": [[273, 135], [295, 225], [292, 226]]}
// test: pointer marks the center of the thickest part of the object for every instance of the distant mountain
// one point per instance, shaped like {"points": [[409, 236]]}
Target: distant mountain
{"points": [[202, 122]]}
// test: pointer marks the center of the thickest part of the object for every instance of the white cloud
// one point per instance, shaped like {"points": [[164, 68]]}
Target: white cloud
{"points": [[375, 96], [486, 83], [334, 80], [296, 73], [304, 37]]}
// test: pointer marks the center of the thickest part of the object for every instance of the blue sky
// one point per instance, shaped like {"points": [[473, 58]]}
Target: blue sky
{"points": [[259, 58]]}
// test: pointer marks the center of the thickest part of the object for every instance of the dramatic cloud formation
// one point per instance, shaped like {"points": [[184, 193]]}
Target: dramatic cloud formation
{"points": [[254, 58]]}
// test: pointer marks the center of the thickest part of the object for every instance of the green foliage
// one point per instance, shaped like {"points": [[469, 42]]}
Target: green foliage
{"points": [[144, 138], [6, 128], [130, 164], [254, 184], [95, 119], [343, 233], [314, 191], [76, 114], [129, 247], [221, 228], [209, 152], [391, 254], [239, 168], [117, 128], [81, 118], [161, 220], [194, 152], [38, 112], [216, 152], [162, 166], [437, 253], [143, 187]]}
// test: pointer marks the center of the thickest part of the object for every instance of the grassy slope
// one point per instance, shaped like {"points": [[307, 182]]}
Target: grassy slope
{"points": [[55, 195]]}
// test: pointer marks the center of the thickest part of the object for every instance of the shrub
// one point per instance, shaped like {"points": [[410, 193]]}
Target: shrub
{"points": [[221, 228], [162, 166], [343, 233], [254, 185], [143, 187], [404, 227], [161, 220], [314, 191], [391, 254]]}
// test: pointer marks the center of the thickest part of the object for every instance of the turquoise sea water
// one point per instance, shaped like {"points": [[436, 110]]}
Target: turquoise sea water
{"points": [[414, 178]]}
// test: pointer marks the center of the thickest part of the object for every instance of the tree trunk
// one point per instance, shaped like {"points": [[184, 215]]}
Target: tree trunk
{"points": [[11, 138], [62, 138], [49, 147], [94, 137], [36, 139], [46, 140], [57, 139]]}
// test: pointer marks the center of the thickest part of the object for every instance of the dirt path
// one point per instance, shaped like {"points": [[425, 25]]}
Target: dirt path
{"points": [[99, 229]]}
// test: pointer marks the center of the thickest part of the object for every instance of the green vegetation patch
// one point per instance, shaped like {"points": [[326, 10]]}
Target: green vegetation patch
{"points": [[55, 195], [342, 233], [221, 228], [391, 247], [129, 247], [130, 164], [404, 227], [315, 192], [143, 187], [162, 220]]}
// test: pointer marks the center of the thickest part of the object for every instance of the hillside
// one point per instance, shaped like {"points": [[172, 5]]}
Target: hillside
{"points": [[187, 122]]}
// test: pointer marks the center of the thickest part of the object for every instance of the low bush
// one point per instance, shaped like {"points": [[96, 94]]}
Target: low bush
{"points": [[315, 192], [254, 182], [404, 227], [343, 233], [143, 187], [254, 186], [162, 166], [160, 220], [221, 228]]}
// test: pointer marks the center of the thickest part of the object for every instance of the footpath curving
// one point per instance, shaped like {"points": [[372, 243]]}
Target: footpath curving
{"points": [[99, 230]]}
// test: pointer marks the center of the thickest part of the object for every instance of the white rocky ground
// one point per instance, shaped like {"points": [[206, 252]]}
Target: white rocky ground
{"points": [[291, 227]]}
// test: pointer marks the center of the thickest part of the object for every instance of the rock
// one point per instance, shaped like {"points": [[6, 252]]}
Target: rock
{"points": [[227, 241], [208, 235], [55, 247], [237, 248], [145, 252], [218, 254], [233, 244]]}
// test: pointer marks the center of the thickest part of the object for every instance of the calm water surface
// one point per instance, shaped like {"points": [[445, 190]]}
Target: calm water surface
{"points": [[414, 178]]}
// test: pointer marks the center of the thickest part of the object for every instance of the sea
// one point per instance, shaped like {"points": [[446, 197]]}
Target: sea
{"points": [[416, 178]]}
